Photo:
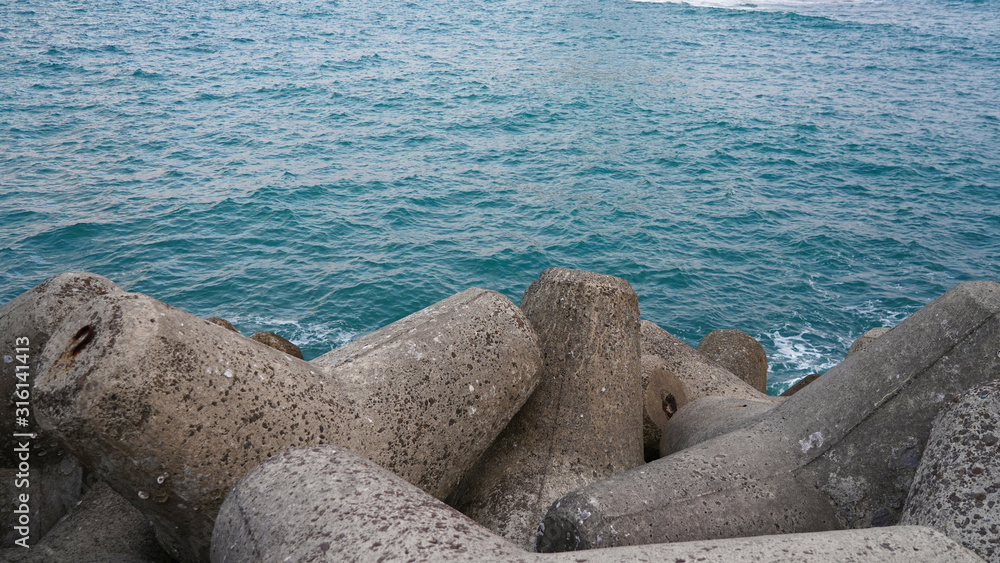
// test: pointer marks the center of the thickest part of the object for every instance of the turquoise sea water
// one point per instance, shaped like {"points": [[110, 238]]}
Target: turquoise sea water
{"points": [[802, 171]]}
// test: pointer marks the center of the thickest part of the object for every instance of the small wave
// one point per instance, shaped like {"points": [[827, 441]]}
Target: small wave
{"points": [[876, 314], [799, 354], [148, 75]]}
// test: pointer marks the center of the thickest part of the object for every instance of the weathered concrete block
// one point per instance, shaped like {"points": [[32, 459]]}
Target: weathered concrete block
{"points": [[31, 317], [840, 453], [583, 423], [674, 373], [739, 353], [701, 376], [957, 486], [866, 339], [102, 527], [662, 393], [25, 325], [278, 343], [444, 381], [171, 410], [328, 504], [707, 417]]}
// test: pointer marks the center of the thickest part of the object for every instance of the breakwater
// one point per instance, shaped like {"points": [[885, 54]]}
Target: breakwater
{"points": [[531, 419]]}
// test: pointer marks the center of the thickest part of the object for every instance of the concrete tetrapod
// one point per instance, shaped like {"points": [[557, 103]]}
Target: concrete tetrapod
{"points": [[700, 375], [674, 374], [957, 486], [583, 423], [325, 503], [739, 353], [172, 410], [278, 343], [25, 325], [840, 453]]}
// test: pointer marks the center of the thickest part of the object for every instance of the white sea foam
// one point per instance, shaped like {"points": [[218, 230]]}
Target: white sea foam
{"points": [[877, 314], [799, 352]]}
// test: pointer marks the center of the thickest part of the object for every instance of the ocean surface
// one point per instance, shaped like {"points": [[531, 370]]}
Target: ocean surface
{"points": [[802, 171]]}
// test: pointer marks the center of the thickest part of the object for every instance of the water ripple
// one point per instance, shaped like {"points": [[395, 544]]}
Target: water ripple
{"points": [[800, 170]]}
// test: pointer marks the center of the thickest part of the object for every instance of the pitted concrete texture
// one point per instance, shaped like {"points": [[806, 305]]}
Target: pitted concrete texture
{"points": [[171, 409], [278, 343], [102, 527], [866, 339], [583, 423], [840, 453], [328, 504], [33, 316], [708, 417], [739, 353], [957, 486], [701, 376], [662, 393], [444, 381]]}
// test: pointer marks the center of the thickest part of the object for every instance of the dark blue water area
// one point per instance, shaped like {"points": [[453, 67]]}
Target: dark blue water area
{"points": [[802, 171]]}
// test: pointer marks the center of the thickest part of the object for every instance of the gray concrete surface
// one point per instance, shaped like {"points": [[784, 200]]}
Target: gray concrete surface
{"points": [[708, 417], [278, 343], [866, 339], [583, 423], [957, 486], [33, 316], [701, 376], [841, 453], [328, 504], [800, 384], [739, 353], [671, 368], [171, 409], [662, 393]]}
